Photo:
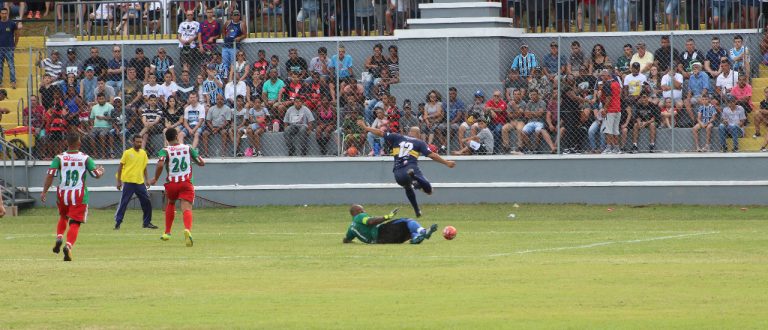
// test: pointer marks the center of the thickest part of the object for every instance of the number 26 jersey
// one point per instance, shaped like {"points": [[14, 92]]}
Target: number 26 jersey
{"points": [[178, 162], [406, 149]]}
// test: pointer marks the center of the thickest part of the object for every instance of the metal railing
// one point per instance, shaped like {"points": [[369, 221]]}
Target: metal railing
{"points": [[632, 15], [111, 20]]}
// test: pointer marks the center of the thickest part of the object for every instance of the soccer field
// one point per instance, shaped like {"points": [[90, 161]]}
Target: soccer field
{"points": [[550, 266]]}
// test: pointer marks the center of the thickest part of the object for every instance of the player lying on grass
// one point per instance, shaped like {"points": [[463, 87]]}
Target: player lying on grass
{"points": [[386, 229], [406, 150], [71, 193]]}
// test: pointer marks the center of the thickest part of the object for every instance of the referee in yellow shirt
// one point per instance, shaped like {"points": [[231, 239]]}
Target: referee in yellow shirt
{"points": [[131, 175]]}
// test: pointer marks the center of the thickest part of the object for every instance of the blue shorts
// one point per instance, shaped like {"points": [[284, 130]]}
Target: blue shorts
{"points": [[199, 131], [533, 127]]}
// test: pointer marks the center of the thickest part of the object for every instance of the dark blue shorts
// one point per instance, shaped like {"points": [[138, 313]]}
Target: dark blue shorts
{"points": [[402, 178]]}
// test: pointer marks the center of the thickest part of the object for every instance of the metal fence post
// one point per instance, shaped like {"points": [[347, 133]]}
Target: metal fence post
{"points": [[30, 130], [559, 78], [338, 104], [671, 67], [447, 99]]}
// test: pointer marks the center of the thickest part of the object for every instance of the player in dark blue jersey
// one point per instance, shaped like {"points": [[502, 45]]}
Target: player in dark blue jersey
{"points": [[406, 150]]}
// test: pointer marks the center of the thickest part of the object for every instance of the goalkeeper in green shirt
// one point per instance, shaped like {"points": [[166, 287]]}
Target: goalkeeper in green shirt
{"points": [[386, 229]]}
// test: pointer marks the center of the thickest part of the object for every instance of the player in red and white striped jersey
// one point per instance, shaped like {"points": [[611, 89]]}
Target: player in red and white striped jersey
{"points": [[177, 159], [72, 194]]}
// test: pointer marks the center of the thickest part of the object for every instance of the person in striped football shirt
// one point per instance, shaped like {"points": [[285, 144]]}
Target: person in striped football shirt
{"points": [[177, 159], [71, 193]]}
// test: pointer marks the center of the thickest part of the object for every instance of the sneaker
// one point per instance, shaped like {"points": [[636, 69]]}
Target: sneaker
{"points": [[150, 226], [259, 154], [418, 239], [248, 152], [418, 213], [634, 149], [652, 148], [57, 246], [165, 237], [67, 253], [706, 148], [188, 238], [370, 154], [607, 150], [735, 149], [430, 231], [756, 135], [117, 226]]}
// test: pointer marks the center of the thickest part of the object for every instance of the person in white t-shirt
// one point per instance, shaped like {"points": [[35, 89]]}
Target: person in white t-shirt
{"points": [[189, 37], [168, 89], [672, 87], [151, 88], [232, 90], [726, 80], [194, 119], [634, 81]]}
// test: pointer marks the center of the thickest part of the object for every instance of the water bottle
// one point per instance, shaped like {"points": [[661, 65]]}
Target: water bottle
{"points": [[376, 148], [275, 125]]}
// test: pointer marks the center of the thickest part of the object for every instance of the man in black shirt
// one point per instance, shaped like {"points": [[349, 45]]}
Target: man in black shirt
{"points": [[141, 64], [662, 55], [296, 64], [646, 116], [98, 63]]}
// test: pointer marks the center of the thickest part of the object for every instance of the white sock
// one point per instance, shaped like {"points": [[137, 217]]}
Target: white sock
{"points": [[421, 231]]}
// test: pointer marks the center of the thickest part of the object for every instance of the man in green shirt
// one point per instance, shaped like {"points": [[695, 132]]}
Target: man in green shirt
{"points": [[385, 230]]}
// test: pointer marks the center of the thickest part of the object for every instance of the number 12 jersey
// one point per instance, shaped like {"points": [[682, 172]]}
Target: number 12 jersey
{"points": [[406, 149]]}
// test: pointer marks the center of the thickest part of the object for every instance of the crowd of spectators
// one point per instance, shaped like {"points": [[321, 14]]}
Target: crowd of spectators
{"points": [[218, 97]]}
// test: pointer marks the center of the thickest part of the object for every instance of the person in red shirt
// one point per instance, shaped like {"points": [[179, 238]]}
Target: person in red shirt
{"points": [[496, 108], [55, 126], [261, 64], [610, 94]]}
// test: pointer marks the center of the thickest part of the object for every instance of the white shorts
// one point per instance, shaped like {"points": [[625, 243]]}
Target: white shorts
{"points": [[612, 123]]}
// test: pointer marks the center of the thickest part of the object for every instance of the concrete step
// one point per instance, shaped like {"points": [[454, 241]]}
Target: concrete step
{"points": [[460, 9], [454, 23]]}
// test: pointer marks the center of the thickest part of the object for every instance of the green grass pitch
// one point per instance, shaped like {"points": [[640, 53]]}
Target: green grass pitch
{"points": [[551, 266]]}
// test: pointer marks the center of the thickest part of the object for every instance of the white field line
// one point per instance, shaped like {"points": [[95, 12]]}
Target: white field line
{"points": [[598, 244], [283, 257]]}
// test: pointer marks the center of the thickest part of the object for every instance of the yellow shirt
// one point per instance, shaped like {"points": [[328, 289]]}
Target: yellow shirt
{"points": [[134, 162]]}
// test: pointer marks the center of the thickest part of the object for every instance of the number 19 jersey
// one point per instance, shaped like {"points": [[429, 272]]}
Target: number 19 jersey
{"points": [[72, 165], [406, 149], [178, 161]]}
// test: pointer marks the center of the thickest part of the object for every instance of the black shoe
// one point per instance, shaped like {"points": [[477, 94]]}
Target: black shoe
{"points": [[634, 149], [57, 246], [418, 213], [150, 226], [117, 226], [651, 148], [67, 253], [430, 231]]}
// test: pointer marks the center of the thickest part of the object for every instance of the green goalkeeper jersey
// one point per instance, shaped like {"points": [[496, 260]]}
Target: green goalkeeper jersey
{"points": [[360, 229]]}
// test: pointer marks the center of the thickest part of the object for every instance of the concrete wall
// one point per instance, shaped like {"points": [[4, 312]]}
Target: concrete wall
{"points": [[623, 179]]}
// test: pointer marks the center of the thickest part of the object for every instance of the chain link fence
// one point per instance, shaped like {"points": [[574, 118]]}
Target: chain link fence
{"points": [[539, 95]]}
